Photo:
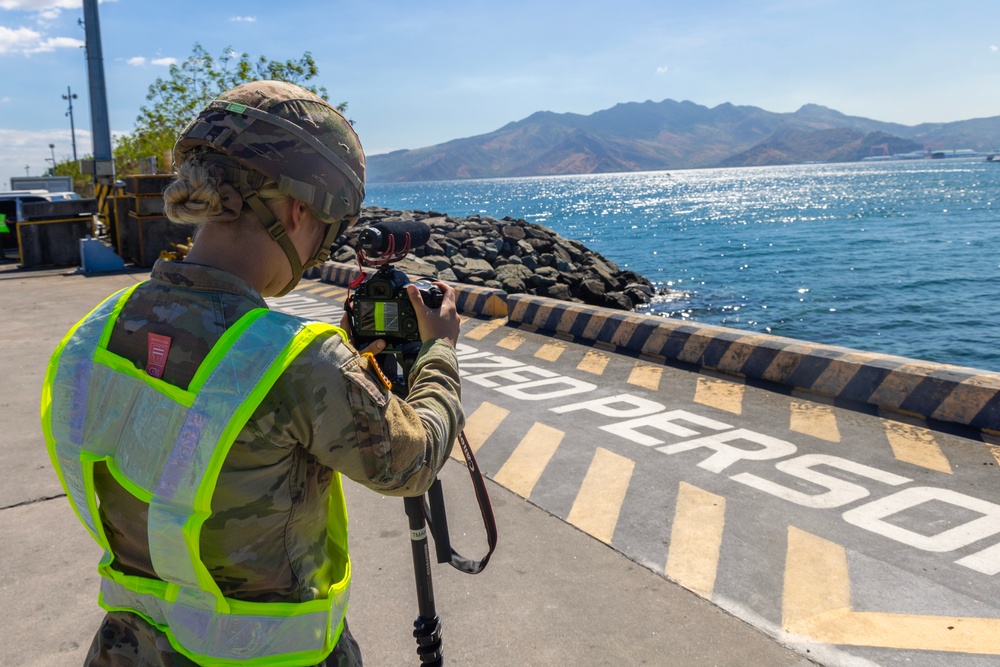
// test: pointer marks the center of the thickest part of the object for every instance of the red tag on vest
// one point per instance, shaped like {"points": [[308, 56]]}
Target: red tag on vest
{"points": [[158, 347]]}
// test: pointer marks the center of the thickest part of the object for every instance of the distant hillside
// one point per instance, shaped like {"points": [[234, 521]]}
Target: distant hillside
{"points": [[672, 135]]}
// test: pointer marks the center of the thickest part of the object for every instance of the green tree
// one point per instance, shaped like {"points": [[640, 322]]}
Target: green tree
{"points": [[174, 101], [83, 184]]}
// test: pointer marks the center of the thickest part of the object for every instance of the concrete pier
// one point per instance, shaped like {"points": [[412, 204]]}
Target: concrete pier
{"points": [[652, 510]]}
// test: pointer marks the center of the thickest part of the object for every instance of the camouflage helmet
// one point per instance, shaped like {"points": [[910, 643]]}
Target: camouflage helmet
{"points": [[279, 131], [293, 137]]}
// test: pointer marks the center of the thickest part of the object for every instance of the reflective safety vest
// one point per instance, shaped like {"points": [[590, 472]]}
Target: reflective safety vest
{"points": [[166, 446]]}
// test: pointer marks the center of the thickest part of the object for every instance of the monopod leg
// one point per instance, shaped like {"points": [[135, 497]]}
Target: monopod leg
{"points": [[427, 627]]}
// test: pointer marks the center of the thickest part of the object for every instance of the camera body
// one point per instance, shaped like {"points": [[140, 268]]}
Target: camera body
{"points": [[381, 308]]}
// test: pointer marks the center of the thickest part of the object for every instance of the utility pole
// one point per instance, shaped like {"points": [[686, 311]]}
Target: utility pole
{"points": [[104, 165], [52, 147], [72, 128]]}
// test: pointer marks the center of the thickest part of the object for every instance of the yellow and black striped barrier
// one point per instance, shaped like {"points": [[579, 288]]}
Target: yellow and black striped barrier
{"points": [[952, 394], [924, 389]]}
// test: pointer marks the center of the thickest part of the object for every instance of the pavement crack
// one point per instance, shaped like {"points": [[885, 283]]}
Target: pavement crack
{"points": [[41, 499]]}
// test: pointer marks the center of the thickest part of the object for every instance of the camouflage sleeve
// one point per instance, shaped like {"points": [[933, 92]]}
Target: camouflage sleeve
{"points": [[332, 402]]}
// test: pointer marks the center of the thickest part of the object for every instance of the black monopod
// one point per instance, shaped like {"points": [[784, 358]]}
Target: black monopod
{"points": [[426, 514], [381, 244]]}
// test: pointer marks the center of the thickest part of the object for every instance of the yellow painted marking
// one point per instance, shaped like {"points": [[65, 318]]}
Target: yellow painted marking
{"points": [[815, 419], [314, 290], [817, 604], [720, 394], [486, 328], [595, 510], [916, 445], [333, 292], [521, 471], [695, 539], [479, 426], [462, 319], [594, 362], [646, 376], [995, 451], [511, 342], [550, 351]]}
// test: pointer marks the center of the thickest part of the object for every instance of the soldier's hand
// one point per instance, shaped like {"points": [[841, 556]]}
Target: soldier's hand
{"points": [[441, 322], [374, 347]]}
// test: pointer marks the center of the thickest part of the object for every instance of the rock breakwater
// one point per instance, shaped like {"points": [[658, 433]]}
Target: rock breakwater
{"points": [[511, 254]]}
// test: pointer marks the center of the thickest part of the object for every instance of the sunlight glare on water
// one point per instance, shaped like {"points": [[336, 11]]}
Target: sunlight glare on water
{"points": [[893, 257]]}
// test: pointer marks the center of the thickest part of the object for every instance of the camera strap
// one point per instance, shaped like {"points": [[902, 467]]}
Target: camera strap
{"points": [[434, 514]]}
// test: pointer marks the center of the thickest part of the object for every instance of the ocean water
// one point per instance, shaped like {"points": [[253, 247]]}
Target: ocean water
{"points": [[895, 257]]}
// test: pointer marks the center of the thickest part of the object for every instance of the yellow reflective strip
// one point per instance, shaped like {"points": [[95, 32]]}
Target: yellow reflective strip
{"points": [[50, 440], [242, 414], [123, 365], [202, 502], [222, 346], [114, 608], [88, 490], [50, 377], [142, 494], [282, 609], [321, 327], [109, 324]]}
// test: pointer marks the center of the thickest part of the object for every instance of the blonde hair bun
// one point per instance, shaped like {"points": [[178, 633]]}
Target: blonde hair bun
{"points": [[193, 197]]}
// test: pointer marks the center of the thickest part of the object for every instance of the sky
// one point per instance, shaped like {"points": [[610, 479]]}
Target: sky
{"points": [[416, 74]]}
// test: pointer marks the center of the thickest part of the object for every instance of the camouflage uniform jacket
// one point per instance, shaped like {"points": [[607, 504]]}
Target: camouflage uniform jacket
{"points": [[265, 539]]}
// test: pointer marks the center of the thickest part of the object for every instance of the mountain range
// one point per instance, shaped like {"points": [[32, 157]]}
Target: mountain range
{"points": [[651, 136]]}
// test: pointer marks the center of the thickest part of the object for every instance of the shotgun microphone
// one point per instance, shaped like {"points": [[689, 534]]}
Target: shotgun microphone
{"points": [[393, 236]]}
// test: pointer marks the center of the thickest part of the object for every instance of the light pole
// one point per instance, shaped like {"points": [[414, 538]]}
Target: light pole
{"points": [[71, 96], [52, 147]]}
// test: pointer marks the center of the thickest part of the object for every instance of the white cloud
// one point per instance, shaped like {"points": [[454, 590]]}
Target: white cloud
{"points": [[44, 10], [136, 61], [164, 62], [39, 5], [662, 69], [244, 19], [25, 41], [5, 99], [15, 40], [31, 148], [994, 48]]}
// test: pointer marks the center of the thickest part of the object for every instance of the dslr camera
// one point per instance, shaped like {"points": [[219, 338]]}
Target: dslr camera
{"points": [[379, 306]]}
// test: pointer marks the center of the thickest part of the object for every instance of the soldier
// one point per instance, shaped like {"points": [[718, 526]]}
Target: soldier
{"points": [[201, 437]]}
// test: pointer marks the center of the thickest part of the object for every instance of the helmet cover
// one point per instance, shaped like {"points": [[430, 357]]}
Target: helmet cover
{"points": [[291, 136]]}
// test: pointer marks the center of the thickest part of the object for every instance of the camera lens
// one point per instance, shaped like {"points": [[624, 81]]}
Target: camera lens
{"points": [[380, 290]]}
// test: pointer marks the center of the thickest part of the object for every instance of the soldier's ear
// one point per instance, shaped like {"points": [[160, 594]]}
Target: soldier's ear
{"points": [[298, 215]]}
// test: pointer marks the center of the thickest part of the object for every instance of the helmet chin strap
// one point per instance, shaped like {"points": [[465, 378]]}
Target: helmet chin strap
{"points": [[280, 235]]}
